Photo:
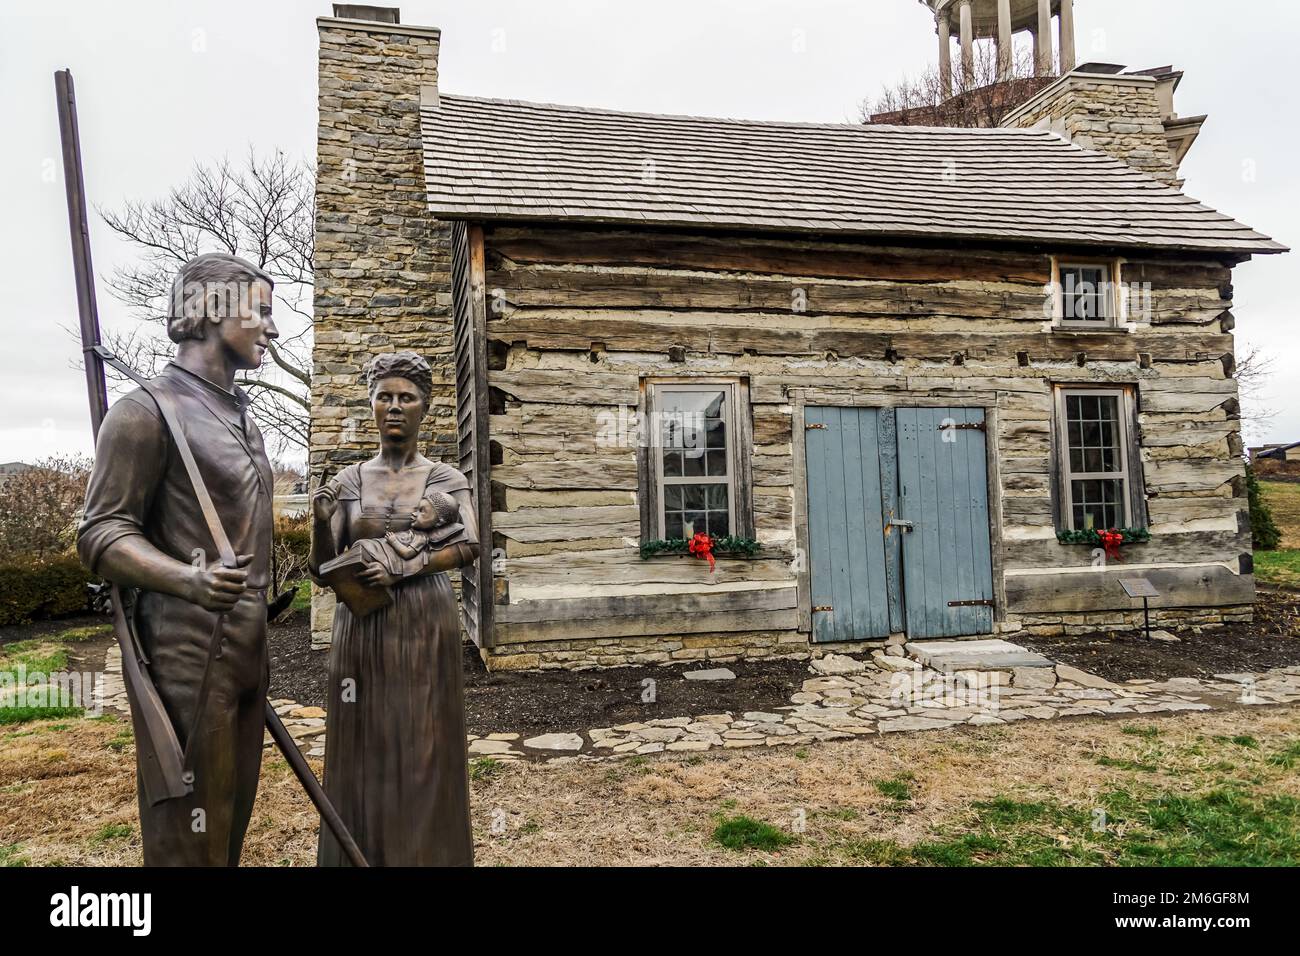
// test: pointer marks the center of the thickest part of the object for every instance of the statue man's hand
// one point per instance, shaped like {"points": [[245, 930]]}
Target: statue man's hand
{"points": [[324, 503], [376, 575], [220, 588]]}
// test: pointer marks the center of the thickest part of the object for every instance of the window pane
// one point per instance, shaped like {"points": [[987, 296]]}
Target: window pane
{"points": [[1097, 504], [1084, 293], [694, 432], [1092, 428], [690, 414], [694, 461]]}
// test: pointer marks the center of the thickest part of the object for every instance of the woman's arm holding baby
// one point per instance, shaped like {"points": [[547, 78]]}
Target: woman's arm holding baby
{"points": [[462, 552]]}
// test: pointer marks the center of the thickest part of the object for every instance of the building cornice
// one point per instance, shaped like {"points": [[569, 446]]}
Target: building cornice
{"points": [[374, 26]]}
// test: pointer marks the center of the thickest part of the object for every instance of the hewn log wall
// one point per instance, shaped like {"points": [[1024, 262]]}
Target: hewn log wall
{"points": [[577, 316]]}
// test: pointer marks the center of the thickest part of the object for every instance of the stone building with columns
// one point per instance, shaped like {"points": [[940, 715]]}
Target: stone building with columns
{"points": [[1102, 106], [1000, 20], [902, 378]]}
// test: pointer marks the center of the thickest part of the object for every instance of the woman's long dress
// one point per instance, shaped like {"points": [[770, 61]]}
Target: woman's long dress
{"points": [[395, 764]]}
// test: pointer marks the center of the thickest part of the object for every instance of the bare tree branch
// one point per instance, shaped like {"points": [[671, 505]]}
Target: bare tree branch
{"points": [[981, 100], [263, 210]]}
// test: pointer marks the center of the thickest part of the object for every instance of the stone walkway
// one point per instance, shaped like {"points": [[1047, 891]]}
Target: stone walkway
{"points": [[846, 698]]}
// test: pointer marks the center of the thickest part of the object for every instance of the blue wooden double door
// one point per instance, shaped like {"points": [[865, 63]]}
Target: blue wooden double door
{"points": [[898, 523]]}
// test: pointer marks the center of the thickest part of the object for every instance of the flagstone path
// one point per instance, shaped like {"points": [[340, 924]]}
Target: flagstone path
{"points": [[845, 698]]}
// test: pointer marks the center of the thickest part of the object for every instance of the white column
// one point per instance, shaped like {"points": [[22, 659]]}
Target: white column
{"points": [[1006, 56], [945, 56], [1067, 36], [1043, 39], [967, 46]]}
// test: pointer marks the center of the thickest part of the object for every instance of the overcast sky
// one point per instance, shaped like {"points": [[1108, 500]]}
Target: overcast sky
{"points": [[162, 83]]}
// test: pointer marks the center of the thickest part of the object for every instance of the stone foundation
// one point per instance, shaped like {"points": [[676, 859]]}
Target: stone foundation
{"points": [[1174, 618], [629, 651], [589, 654]]}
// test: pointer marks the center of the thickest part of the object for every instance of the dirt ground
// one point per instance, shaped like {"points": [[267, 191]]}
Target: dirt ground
{"points": [[1271, 640], [1019, 793]]}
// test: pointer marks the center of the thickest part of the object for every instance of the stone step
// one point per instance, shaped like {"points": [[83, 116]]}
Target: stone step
{"points": [[982, 655]]}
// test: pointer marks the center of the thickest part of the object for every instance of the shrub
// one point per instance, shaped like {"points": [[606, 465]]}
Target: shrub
{"points": [[1267, 534], [290, 549], [38, 507], [34, 588]]}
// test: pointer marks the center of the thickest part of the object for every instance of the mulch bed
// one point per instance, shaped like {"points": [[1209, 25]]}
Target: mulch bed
{"points": [[574, 700], [1272, 640], [26, 632]]}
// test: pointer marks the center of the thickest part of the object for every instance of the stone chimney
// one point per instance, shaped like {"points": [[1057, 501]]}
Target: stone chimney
{"points": [[382, 263], [1127, 115]]}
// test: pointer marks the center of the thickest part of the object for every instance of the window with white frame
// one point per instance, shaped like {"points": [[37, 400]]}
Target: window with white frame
{"points": [[1087, 294], [693, 459], [1098, 485]]}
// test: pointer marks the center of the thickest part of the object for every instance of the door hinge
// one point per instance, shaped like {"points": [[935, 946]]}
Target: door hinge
{"points": [[811, 427], [983, 602], [965, 427], [823, 609]]}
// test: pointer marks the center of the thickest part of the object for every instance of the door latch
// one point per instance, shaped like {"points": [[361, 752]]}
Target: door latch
{"points": [[902, 523]]}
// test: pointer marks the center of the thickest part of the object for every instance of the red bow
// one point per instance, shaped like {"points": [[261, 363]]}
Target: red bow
{"points": [[702, 547], [1111, 540]]}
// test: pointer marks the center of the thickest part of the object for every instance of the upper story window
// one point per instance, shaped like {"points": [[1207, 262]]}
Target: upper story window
{"points": [[695, 480], [1088, 294]]}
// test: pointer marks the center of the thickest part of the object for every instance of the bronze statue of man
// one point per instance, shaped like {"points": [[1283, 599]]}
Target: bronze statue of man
{"points": [[145, 529]]}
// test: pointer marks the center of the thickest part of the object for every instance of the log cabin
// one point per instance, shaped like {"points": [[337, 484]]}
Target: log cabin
{"points": [[910, 382]]}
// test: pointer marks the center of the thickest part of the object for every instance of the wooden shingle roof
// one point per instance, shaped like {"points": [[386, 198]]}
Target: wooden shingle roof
{"points": [[489, 159]]}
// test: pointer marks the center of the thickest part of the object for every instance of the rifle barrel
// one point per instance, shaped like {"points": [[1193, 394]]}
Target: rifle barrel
{"points": [[87, 307]]}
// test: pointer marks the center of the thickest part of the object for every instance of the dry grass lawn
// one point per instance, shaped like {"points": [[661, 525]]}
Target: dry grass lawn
{"points": [[1282, 567], [1283, 498], [1194, 789]]}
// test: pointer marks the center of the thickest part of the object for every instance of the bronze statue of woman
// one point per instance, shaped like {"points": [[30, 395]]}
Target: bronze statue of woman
{"points": [[395, 764]]}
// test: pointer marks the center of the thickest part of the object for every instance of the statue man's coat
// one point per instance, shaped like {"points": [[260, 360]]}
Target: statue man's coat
{"points": [[140, 487]]}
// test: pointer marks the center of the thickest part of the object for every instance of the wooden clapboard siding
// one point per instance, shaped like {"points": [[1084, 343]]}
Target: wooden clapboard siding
{"points": [[715, 601], [1050, 592], [1178, 548], [581, 315], [470, 350], [670, 625], [586, 570]]}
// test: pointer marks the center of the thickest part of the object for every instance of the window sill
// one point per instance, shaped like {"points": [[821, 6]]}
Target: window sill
{"points": [[733, 549], [1082, 539], [1092, 329]]}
